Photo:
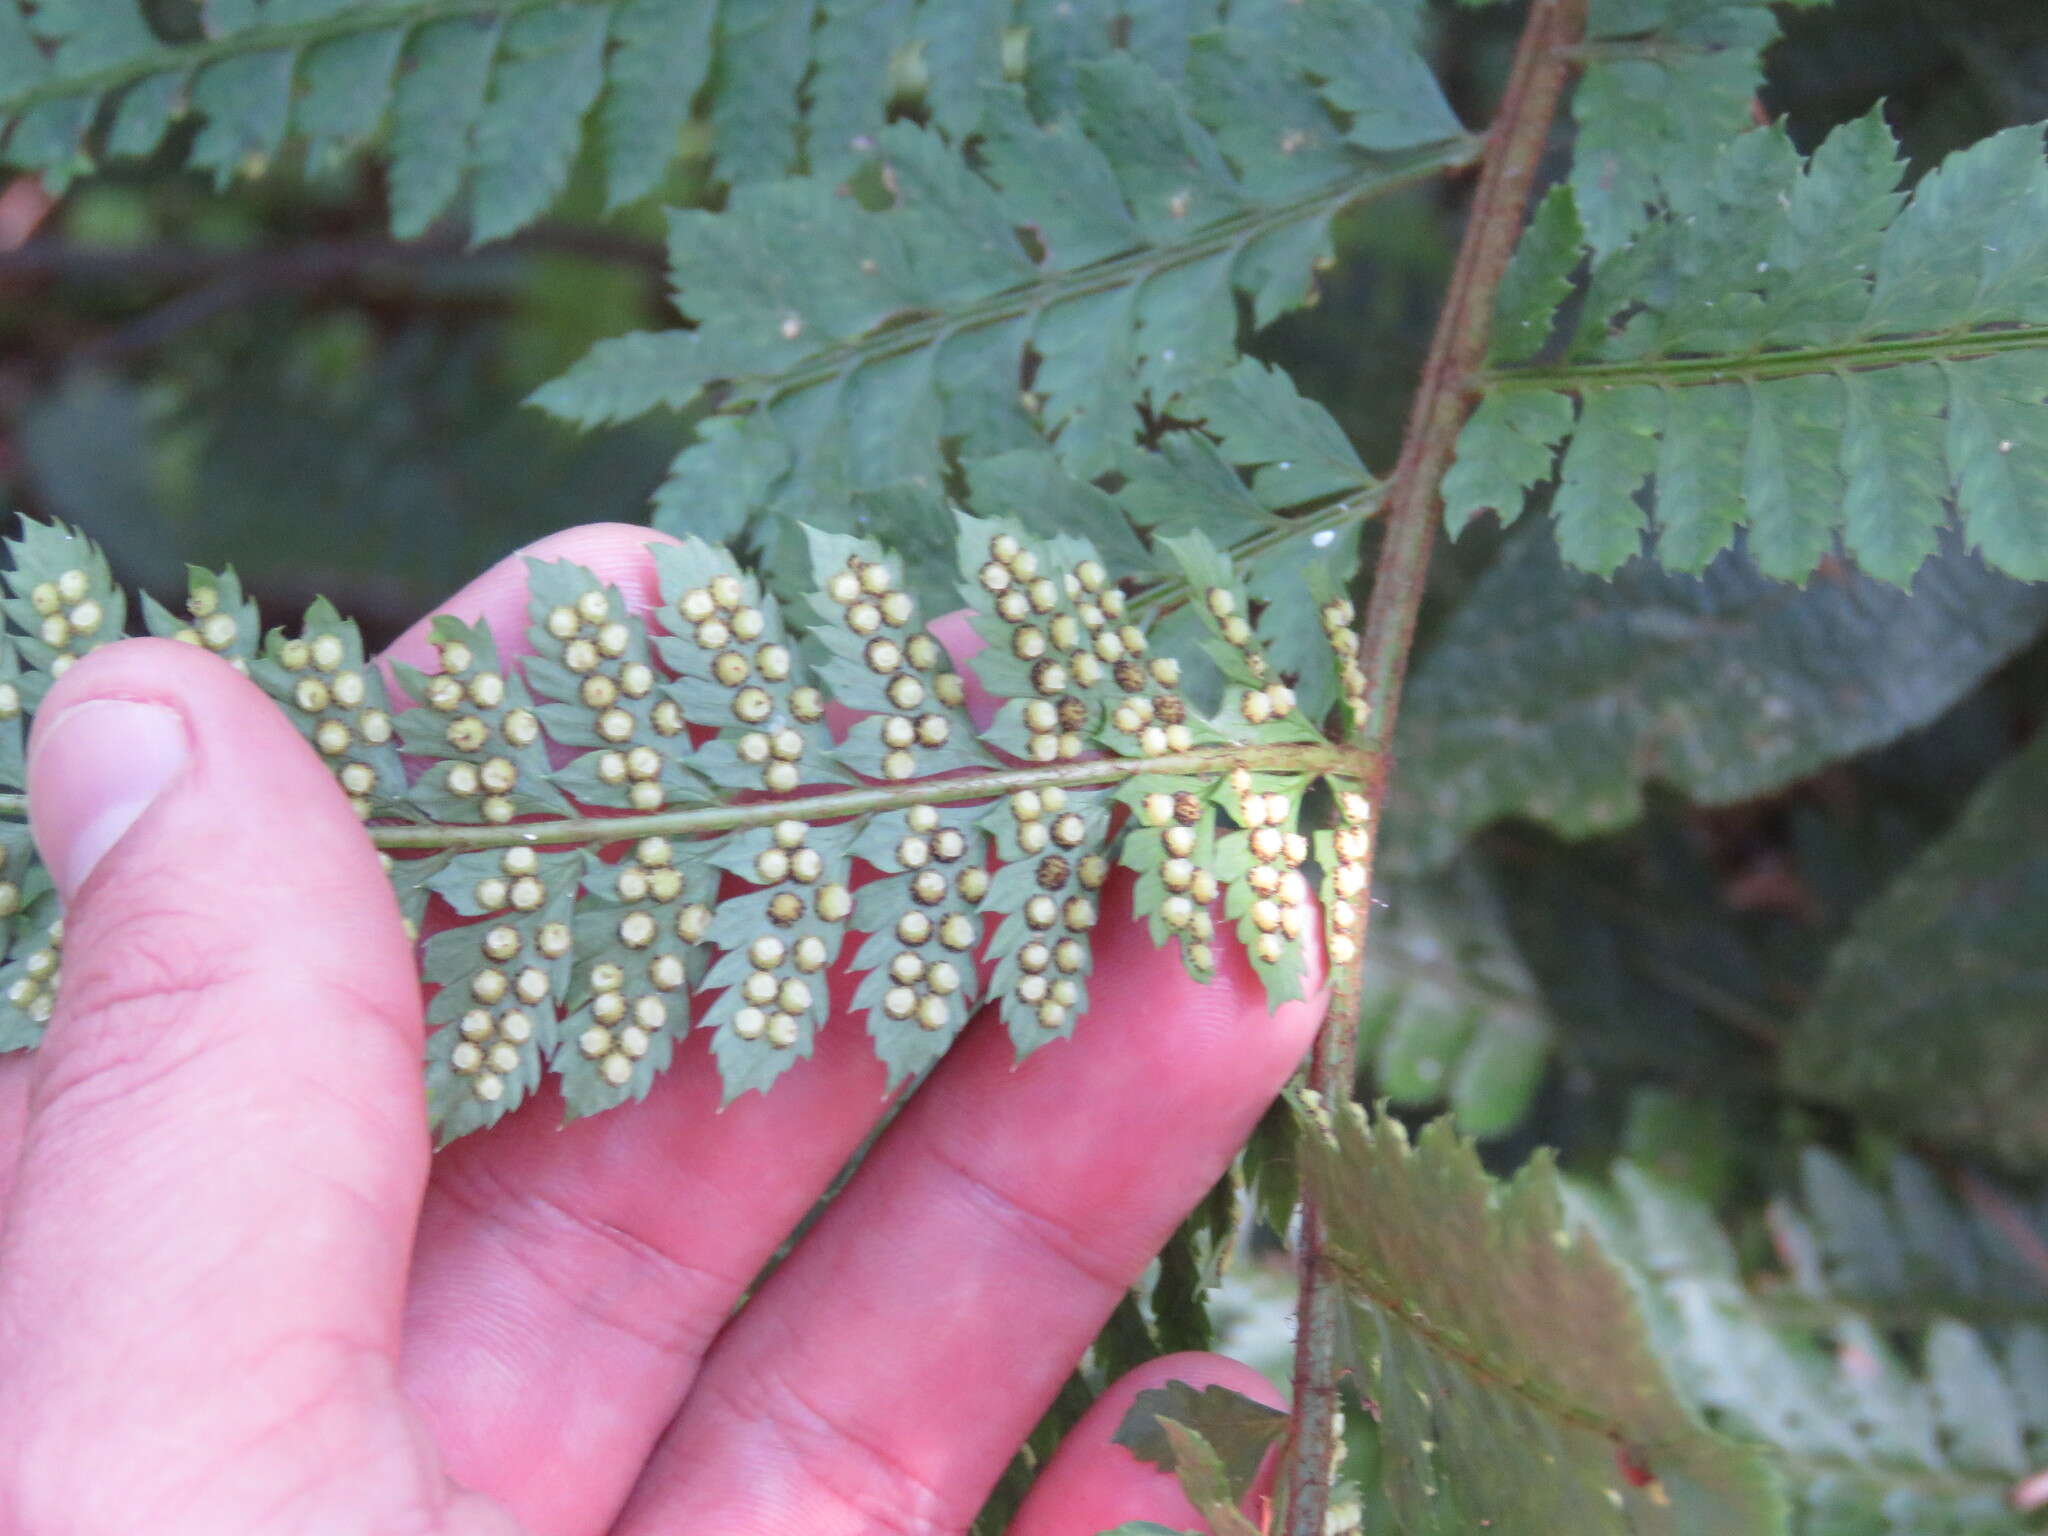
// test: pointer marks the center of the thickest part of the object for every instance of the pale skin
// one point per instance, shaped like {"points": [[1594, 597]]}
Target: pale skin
{"points": [[238, 1295]]}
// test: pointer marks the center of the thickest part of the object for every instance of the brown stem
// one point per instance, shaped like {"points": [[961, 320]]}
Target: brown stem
{"points": [[1998, 1208], [1543, 62]]}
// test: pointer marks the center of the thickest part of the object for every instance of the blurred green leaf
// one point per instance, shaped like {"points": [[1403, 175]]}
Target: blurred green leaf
{"points": [[1930, 1016], [1557, 696], [1868, 1438], [1450, 1011]]}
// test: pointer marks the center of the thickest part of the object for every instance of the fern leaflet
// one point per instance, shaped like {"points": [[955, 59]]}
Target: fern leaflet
{"points": [[1848, 360], [581, 836]]}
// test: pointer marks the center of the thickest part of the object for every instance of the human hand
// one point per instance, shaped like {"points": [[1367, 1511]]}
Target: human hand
{"points": [[236, 1295]]}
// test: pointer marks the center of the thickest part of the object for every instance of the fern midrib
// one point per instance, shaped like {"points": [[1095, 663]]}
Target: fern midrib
{"points": [[1127, 270], [1803, 1467], [1395, 1306], [1758, 367], [1361, 505], [173, 58], [1269, 757]]}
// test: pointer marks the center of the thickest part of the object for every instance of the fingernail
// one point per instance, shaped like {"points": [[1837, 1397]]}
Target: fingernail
{"points": [[92, 773]]}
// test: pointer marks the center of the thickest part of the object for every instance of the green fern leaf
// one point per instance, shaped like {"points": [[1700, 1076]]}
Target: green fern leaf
{"points": [[550, 69], [1514, 1373], [1792, 348], [487, 106], [1666, 84], [1905, 1251], [817, 320], [586, 948]]}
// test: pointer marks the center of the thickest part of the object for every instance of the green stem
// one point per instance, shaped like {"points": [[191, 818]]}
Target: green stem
{"points": [[1757, 367], [1275, 757], [1543, 62], [1245, 554]]}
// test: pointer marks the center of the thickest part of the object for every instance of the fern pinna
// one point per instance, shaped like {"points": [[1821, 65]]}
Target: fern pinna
{"points": [[649, 826]]}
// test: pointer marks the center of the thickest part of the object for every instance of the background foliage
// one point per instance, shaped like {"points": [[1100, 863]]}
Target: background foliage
{"points": [[1720, 878]]}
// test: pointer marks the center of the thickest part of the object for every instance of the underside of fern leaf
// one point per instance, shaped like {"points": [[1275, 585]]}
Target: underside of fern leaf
{"points": [[647, 825]]}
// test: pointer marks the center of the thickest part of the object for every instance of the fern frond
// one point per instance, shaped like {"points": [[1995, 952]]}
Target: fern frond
{"points": [[1516, 1381], [582, 838], [1044, 286], [492, 95], [1873, 1433], [1903, 1250], [1798, 348]]}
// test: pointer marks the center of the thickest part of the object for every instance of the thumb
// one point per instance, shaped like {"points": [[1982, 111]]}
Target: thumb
{"points": [[226, 1144]]}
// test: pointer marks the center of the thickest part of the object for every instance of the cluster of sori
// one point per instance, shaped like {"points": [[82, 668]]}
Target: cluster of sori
{"points": [[1340, 619], [1174, 847], [33, 978], [339, 702], [896, 671], [717, 634], [60, 602], [1342, 853], [635, 996], [609, 679], [499, 977], [213, 619], [924, 969], [556, 944], [781, 986], [925, 929], [1276, 913], [479, 720], [1047, 892], [1072, 659], [66, 613], [1272, 698], [511, 977]]}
